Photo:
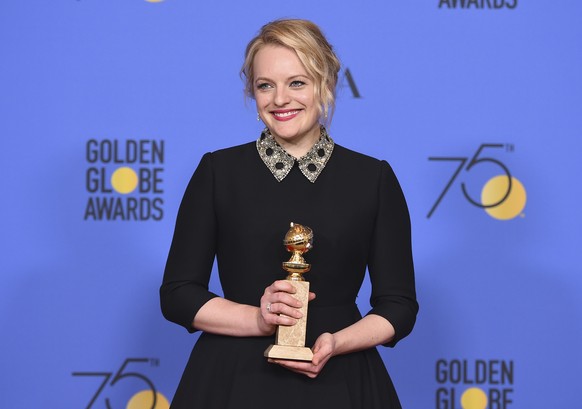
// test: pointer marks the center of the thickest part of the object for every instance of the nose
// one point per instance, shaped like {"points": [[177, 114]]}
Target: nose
{"points": [[281, 96]]}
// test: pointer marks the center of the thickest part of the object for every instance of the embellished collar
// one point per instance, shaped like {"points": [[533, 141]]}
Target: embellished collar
{"points": [[280, 162]]}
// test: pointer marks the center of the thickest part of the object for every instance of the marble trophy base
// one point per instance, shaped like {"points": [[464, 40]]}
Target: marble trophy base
{"points": [[290, 341]]}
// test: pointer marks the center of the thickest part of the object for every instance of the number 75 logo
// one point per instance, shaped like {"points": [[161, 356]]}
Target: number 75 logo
{"points": [[148, 398], [503, 197]]}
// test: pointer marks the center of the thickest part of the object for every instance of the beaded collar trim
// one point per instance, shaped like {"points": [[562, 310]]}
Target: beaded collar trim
{"points": [[280, 162]]}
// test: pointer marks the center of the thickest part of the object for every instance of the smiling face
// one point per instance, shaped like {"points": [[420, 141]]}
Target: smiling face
{"points": [[285, 98]]}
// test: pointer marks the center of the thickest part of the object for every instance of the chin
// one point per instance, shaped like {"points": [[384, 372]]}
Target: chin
{"points": [[284, 132], [295, 132]]}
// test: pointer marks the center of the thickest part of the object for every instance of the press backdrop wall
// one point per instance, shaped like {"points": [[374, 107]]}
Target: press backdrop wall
{"points": [[461, 97]]}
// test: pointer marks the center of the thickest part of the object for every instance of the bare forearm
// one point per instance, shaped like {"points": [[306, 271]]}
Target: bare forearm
{"points": [[224, 317], [370, 331]]}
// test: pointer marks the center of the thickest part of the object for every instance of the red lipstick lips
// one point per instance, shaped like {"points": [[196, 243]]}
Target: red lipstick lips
{"points": [[285, 114]]}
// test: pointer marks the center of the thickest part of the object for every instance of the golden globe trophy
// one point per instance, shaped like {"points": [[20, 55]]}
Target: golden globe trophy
{"points": [[290, 340]]}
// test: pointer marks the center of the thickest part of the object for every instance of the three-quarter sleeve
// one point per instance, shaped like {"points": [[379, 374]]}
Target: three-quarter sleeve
{"points": [[390, 262], [185, 284]]}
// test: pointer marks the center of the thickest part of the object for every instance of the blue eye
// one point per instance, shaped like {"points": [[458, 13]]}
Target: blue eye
{"points": [[296, 84], [263, 85]]}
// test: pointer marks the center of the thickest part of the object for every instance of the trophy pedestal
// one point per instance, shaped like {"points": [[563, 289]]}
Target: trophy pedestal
{"points": [[290, 341], [286, 352]]}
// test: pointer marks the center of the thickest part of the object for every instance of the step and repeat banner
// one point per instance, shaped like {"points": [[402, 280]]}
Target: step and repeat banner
{"points": [[107, 106]]}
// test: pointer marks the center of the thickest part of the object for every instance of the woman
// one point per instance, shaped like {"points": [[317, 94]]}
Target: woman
{"points": [[238, 206]]}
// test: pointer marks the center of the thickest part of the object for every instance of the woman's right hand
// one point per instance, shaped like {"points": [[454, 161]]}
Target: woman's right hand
{"points": [[279, 307]]}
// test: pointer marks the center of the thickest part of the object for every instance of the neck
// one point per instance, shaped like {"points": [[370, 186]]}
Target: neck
{"points": [[299, 148]]}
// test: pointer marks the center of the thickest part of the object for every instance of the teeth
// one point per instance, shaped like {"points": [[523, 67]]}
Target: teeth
{"points": [[284, 114]]}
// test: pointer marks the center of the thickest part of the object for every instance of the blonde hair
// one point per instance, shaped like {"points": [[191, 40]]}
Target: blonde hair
{"points": [[312, 49]]}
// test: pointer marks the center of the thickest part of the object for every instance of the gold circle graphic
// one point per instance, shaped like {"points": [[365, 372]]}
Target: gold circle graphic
{"points": [[124, 180], [474, 398], [143, 400], [493, 192]]}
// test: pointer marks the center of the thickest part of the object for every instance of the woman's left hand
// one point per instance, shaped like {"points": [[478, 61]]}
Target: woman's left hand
{"points": [[323, 349]]}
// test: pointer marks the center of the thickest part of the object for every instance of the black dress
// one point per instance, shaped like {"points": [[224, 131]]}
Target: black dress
{"points": [[236, 210]]}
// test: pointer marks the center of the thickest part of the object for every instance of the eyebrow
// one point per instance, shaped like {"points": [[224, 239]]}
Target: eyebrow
{"points": [[258, 79]]}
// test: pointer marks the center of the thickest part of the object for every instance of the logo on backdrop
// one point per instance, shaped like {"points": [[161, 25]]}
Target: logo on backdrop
{"points": [[348, 78], [124, 179], [130, 386], [478, 4], [478, 384], [503, 196]]}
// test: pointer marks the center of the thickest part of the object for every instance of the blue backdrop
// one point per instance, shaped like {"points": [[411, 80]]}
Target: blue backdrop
{"points": [[107, 107]]}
